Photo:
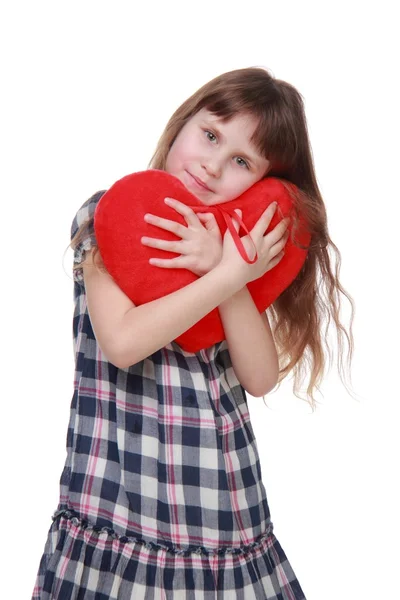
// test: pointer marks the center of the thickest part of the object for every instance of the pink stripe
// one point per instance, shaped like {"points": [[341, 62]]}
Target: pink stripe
{"points": [[95, 451], [161, 562], [284, 582], [169, 434], [134, 407], [63, 565], [93, 391], [139, 409], [231, 477], [214, 564], [233, 488]]}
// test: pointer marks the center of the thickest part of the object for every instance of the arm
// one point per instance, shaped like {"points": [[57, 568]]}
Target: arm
{"points": [[127, 333], [250, 342]]}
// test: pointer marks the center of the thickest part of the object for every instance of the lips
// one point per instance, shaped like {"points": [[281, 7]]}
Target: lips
{"points": [[200, 182]]}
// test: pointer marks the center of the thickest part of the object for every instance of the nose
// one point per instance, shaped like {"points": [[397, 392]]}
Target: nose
{"points": [[212, 165]]}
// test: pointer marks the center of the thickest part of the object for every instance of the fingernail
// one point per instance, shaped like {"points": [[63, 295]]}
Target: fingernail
{"points": [[168, 200]]}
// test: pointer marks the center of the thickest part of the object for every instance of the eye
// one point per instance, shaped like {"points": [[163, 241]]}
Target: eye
{"points": [[241, 162], [210, 135]]}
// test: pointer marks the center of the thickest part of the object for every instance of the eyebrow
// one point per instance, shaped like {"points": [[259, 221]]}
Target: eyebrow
{"points": [[254, 159]]}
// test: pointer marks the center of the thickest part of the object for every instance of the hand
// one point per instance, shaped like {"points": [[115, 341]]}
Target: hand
{"points": [[200, 248], [270, 247]]}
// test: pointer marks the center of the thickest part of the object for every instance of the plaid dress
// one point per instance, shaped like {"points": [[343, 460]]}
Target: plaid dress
{"points": [[161, 495]]}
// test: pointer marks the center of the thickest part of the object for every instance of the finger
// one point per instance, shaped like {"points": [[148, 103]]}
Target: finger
{"points": [[210, 223], [172, 226], [278, 232], [277, 259], [279, 246], [187, 212], [206, 217], [169, 263], [281, 229], [162, 244], [263, 222]]}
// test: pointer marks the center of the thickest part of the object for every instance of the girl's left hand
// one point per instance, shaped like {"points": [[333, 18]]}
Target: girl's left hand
{"points": [[200, 248]]}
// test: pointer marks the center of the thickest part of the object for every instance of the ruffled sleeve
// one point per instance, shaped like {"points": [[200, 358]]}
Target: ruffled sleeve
{"points": [[84, 215]]}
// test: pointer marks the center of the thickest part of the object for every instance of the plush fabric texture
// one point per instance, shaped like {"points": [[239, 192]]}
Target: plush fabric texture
{"points": [[119, 226]]}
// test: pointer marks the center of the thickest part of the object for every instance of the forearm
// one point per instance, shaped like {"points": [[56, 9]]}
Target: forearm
{"points": [[250, 342], [147, 328]]}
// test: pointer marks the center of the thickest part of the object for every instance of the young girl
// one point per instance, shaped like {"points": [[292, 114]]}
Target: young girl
{"points": [[161, 494]]}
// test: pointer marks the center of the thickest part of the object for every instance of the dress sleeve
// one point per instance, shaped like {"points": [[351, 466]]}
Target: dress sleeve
{"points": [[84, 215]]}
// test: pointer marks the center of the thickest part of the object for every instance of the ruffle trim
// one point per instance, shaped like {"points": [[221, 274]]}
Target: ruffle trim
{"points": [[76, 520]]}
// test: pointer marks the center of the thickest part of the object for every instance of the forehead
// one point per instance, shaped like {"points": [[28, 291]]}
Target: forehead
{"points": [[241, 123]]}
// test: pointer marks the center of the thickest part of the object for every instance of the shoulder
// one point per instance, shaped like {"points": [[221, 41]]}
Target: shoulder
{"points": [[85, 213]]}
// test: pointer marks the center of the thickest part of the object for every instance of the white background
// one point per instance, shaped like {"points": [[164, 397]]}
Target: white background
{"points": [[87, 88]]}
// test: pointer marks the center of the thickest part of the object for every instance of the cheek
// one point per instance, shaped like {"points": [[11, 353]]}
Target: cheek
{"points": [[237, 185], [172, 158], [241, 181], [176, 154]]}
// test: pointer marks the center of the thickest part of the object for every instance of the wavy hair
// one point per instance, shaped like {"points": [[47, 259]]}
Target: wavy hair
{"points": [[313, 300], [301, 315]]}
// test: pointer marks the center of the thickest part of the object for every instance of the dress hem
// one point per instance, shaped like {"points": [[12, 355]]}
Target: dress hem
{"points": [[76, 520]]}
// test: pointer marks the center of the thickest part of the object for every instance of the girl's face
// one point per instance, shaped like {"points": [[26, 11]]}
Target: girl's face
{"points": [[214, 160]]}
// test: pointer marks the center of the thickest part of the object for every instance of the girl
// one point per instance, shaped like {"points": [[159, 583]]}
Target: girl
{"points": [[161, 494]]}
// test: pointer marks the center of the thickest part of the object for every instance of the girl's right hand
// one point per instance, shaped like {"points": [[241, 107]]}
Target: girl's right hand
{"points": [[269, 247]]}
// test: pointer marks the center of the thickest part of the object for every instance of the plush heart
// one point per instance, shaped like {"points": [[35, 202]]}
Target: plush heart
{"points": [[119, 226]]}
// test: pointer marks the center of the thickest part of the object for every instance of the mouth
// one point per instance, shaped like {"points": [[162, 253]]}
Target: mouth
{"points": [[199, 183]]}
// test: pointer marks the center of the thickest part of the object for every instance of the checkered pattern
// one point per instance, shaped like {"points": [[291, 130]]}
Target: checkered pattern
{"points": [[161, 494]]}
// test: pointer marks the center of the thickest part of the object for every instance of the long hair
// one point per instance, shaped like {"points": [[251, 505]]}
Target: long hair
{"points": [[313, 300]]}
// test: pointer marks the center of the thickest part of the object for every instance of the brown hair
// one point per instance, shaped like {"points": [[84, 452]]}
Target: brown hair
{"points": [[314, 297]]}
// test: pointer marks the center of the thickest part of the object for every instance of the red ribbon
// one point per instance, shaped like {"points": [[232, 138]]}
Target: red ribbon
{"points": [[228, 215]]}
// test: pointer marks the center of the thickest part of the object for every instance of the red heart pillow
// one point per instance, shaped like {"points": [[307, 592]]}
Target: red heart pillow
{"points": [[119, 226]]}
